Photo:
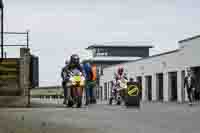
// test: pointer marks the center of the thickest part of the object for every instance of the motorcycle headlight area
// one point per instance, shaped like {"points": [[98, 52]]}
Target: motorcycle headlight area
{"points": [[80, 81], [73, 82]]}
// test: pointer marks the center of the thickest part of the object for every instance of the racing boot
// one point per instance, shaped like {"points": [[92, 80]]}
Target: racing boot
{"points": [[87, 101], [65, 101]]}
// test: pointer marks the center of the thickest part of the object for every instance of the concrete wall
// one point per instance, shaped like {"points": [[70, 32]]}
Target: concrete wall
{"points": [[175, 61], [9, 73], [41, 92], [22, 84]]}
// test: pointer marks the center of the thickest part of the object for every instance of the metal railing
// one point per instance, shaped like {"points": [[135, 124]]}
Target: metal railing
{"points": [[25, 34]]}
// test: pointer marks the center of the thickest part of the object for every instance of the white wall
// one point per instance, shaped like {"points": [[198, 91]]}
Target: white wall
{"points": [[187, 56], [190, 54], [150, 66]]}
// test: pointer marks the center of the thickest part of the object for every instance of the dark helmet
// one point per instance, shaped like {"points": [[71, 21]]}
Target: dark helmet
{"points": [[120, 70], [75, 59]]}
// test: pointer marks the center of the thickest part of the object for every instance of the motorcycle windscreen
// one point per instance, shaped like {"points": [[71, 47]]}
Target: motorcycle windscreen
{"points": [[76, 72], [123, 84]]}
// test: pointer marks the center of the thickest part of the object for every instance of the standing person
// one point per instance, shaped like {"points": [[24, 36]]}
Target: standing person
{"points": [[94, 81], [88, 75], [189, 84], [63, 76]]}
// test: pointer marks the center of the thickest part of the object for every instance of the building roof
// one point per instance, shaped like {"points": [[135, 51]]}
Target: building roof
{"points": [[188, 39], [112, 59], [105, 62], [118, 46]]}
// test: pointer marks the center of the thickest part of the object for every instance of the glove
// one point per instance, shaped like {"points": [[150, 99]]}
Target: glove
{"points": [[66, 78]]}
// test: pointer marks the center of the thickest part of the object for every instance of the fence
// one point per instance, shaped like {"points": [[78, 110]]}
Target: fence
{"points": [[12, 41]]}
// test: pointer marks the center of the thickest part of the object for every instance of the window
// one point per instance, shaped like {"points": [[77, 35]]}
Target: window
{"points": [[101, 52]]}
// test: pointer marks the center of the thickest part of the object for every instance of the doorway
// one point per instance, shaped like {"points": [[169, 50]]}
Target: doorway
{"points": [[139, 80], [148, 80], [101, 93], [173, 85], [183, 94], [159, 86]]}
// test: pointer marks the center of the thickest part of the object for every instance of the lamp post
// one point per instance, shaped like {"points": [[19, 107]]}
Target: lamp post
{"points": [[2, 31]]}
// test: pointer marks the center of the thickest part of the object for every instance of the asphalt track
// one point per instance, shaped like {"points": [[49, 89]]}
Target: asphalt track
{"points": [[53, 117]]}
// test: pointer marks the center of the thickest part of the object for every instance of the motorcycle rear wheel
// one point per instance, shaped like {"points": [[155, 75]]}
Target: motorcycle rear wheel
{"points": [[118, 102]]}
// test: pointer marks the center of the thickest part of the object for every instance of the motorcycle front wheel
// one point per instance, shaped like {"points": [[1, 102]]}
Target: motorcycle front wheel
{"points": [[79, 101], [70, 103], [110, 101]]}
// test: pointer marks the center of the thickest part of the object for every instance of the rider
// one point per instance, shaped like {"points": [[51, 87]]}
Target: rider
{"points": [[63, 75], [120, 74], [74, 63]]}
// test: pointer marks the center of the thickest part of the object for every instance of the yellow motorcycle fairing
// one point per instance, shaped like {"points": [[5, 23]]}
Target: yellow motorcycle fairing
{"points": [[77, 80]]}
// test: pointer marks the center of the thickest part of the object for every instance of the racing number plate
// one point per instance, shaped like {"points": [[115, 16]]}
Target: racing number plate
{"points": [[133, 90]]}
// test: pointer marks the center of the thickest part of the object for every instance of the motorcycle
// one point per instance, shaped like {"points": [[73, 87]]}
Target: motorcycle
{"points": [[76, 84], [119, 91]]}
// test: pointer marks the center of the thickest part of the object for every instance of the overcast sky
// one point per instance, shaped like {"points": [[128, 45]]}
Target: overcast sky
{"points": [[59, 28]]}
